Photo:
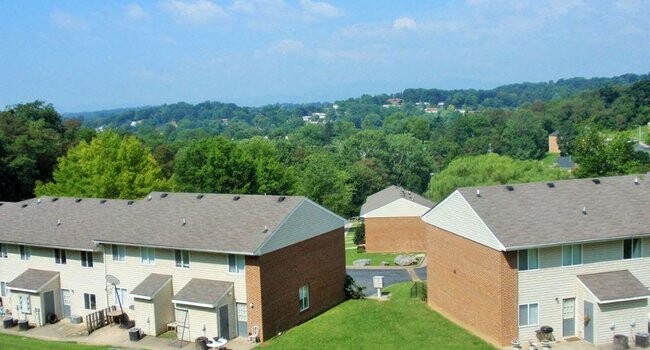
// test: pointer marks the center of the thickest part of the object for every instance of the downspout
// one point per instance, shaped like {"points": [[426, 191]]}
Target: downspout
{"points": [[105, 273]]}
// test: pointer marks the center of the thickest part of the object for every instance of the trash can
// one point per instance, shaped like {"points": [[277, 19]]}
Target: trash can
{"points": [[134, 333], [620, 342], [642, 339], [23, 325], [8, 322], [201, 343]]}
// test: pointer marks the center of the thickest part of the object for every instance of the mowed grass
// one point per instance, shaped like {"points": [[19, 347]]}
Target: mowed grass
{"points": [[9, 341], [400, 323], [375, 258]]}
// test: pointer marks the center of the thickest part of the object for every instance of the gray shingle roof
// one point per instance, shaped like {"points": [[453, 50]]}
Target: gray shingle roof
{"points": [[210, 222], [614, 286], [565, 162], [32, 280], [535, 214], [202, 291], [389, 195], [150, 285]]}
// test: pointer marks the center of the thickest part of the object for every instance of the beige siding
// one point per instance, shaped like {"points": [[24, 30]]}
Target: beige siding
{"points": [[399, 208], [553, 282], [144, 310], [35, 302], [454, 214], [72, 275], [202, 265], [164, 309]]}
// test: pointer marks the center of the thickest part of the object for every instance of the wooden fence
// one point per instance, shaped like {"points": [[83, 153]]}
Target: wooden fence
{"points": [[99, 319]]}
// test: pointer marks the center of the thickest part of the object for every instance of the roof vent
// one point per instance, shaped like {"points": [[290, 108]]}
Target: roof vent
{"points": [[199, 196], [1, 204], [584, 210], [24, 205], [102, 201], [236, 198], [636, 180], [77, 200], [281, 198], [184, 221], [596, 181], [55, 199], [510, 188], [266, 229], [550, 184], [38, 201], [163, 195], [478, 193], [129, 202], [149, 197], [58, 222]]}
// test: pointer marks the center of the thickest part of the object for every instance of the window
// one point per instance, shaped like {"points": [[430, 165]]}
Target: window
{"points": [[147, 255], [119, 252], [632, 248], [3, 251], [236, 263], [528, 314], [90, 303], [123, 295], [303, 295], [86, 259], [59, 257], [25, 304], [25, 253], [528, 259], [572, 255], [182, 258]]}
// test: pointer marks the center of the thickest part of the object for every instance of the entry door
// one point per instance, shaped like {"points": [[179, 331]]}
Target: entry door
{"points": [[224, 322], [66, 297], [48, 304], [242, 320], [568, 317], [589, 322]]}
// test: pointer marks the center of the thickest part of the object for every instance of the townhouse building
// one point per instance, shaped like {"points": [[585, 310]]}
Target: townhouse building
{"points": [[573, 255], [212, 264]]}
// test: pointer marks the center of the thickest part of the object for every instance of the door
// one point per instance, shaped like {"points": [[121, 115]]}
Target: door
{"points": [[589, 322], [66, 297], [183, 324], [242, 320], [224, 322], [568, 317], [48, 305]]}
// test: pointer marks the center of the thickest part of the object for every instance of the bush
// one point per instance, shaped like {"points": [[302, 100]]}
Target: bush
{"points": [[360, 234], [352, 289]]}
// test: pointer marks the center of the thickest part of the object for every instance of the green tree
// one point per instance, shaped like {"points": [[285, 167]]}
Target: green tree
{"points": [[271, 175], [597, 156], [524, 137], [110, 166], [489, 169], [322, 181]]}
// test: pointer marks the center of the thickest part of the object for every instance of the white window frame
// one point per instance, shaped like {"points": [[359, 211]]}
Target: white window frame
{"points": [[147, 255], [182, 263], [632, 257], [61, 259], [25, 252], [90, 301], [303, 297], [529, 321], [4, 251], [124, 296], [528, 260], [236, 263], [119, 252], [86, 259], [25, 304], [572, 247]]}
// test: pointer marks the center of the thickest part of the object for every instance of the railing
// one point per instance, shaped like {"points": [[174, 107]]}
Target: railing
{"points": [[419, 290], [99, 319]]}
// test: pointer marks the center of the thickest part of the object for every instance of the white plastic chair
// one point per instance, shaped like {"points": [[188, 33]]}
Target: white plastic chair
{"points": [[252, 338]]}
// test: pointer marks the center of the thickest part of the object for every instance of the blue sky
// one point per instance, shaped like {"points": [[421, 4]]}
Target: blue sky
{"points": [[91, 55]]}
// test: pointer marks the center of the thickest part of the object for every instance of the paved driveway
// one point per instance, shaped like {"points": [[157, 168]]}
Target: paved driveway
{"points": [[391, 276], [421, 272]]}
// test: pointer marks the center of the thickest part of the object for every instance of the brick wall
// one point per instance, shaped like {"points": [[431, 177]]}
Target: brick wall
{"points": [[318, 262], [553, 146], [401, 234], [473, 285]]}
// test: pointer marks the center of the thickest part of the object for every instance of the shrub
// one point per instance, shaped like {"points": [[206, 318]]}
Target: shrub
{"points": [[360, 234], [352, 289]]}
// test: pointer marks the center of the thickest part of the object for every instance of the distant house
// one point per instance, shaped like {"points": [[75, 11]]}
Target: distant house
{"points": [[574, 255], [214, 264], [553, 145], [395, 101], [431, 110], [392, 220]]}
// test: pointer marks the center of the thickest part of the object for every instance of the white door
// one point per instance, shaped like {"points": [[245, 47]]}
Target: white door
{"points": [[66, 297]]}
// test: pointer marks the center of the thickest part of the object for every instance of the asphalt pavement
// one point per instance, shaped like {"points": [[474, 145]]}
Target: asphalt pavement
{"points": [[364, 277]]}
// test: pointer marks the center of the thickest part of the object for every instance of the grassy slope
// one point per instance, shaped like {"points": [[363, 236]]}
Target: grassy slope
{"points": [[8, 341], [401, 323]]}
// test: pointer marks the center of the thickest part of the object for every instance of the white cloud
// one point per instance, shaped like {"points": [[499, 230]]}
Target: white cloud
{"points": [[404, 23], [193, 12], [320, 8], [135, 12], [65, 20]]}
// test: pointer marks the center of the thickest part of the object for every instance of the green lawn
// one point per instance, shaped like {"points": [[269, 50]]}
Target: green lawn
{"points": [[375, 258], [550, 158], [400, 323], [8, 341]]}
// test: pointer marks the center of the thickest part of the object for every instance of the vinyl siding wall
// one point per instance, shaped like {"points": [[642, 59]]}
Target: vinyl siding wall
{"points": [[200, 316], [72, 276], [552, 280], [159, 311]]}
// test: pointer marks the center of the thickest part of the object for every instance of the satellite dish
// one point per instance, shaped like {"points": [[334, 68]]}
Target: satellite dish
{"points": [[112, 280]]}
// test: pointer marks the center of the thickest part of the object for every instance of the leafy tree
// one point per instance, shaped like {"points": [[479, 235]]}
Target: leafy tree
{"points": [[489, 169], [271, 176], [110, 166], [367, 176], [324, 182], [524, 137], [596, 156], [360, 234]]}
